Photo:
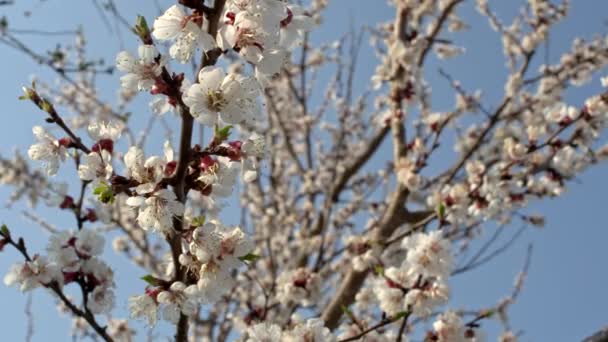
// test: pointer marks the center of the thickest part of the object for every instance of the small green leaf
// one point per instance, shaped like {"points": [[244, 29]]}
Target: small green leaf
{"points": [[4, 231], [46, 106], [141, 28], [104, 193], [223, 133], [249, 257], [400, 315], [379, 270], [487, 313], [150, 279], [142, 24], [198, 221], [28, 94], [441, 211]]}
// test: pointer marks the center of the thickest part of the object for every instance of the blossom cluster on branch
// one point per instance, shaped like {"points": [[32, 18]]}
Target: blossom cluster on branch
{"points": [[337, 241]]}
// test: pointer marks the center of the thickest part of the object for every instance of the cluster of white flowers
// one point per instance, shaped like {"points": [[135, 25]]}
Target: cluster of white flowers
{"points": [[313, 330], [300, 286], [448, 327], [32, 274], [77, 256], [213, 253], [232, 96], [262, 32], [520, 151], [72, 257], [419, 284]]}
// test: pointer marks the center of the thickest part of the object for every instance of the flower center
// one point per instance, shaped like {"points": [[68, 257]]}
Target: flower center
{"points": [[216, 100]]}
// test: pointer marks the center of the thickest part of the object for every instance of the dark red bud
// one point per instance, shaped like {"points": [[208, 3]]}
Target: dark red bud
{"points": [[206, 162], [287, 20], [300, 283], [170, 168], [66, 142], [91, 215], [69, 277], [103, 144], [231, 17], [68, 203], [153, 292], [160, 87]]}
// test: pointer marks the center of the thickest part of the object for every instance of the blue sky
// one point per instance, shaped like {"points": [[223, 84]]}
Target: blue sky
{"points": [[564, 298]]}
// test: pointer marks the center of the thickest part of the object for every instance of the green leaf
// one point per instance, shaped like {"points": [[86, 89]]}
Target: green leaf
{"points": [[141, 28], [223, 133], [441, 211], [28, 94], [400, 315], [150, 279], [4, 231], [249, 257], [46, 106], [379, 270], [487, 313], [198, 221], [104, 193], [142, 24]]}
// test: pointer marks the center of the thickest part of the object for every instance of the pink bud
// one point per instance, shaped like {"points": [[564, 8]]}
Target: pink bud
{"points": [[103, 144], [170, 168], [207, 162], [66, 142], [91, 215], [231, 16], [68, 202], [289, 18]]}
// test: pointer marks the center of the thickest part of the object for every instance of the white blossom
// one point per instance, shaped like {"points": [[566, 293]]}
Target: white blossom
{"points": [[264, 332], [96, 166], [185, 30], [156, 212], [179, 299], [48, 150], [32, 274], [144, 306], [142, 72], [231, 96]]}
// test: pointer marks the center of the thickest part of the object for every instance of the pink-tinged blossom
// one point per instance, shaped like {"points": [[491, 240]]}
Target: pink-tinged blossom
{"points": [[142, 72], [428, 254], [120, 331], [149, 172], [217, 250], [232, 96], [101, 300], [313, 330], [48, 150], [293, 27], [144, 306], [32, 274], [300, 286], [96, 166], [179, 299], [156, 212], [264, 332], [185, 30], [222, 176]]}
